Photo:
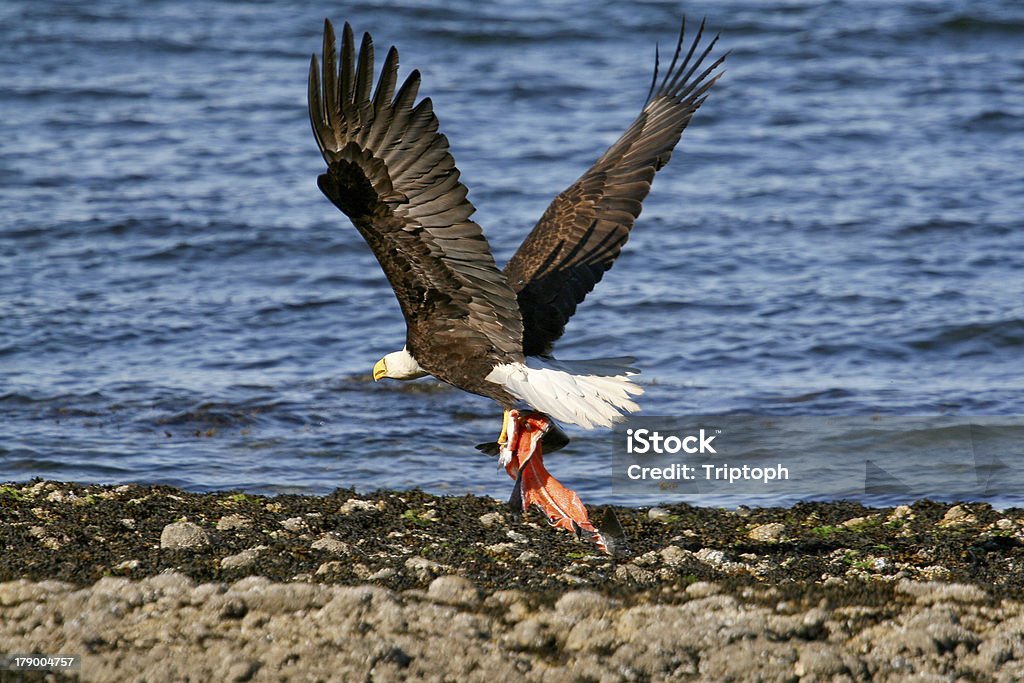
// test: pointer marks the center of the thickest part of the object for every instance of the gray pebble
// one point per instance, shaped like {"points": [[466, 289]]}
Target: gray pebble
{"points": [[454, 590], [228, 522], [243, 559], [331, 544], [183, 535]]}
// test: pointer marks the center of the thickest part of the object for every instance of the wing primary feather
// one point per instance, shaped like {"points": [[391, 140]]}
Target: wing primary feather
{"points": [[316, 111], [675, 56], [364, 76], [386, 82], [654, 76], [331, 105], [401, 109], [347, 74], [383, 113], [694, 44]]}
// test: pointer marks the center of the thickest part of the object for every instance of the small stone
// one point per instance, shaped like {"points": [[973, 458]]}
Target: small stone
{"points": [[935, 572], [957, 515], [243, 559], [856, 522], [648, 559], [634, 574], [513, 601], [453, 590], [703, 589], [233, 608], [228, 522], [529, 634], [579, 604], [357, 505], [168, 582], [673, 555], [501, 548], [383, 574], [821, 661], [128, 523], [901, 512], [571, 579], [127, 565], [183, 535], [1005, 524], [516, 537], [205, 593], [715, 558], [331, 544], [51, 543], [294, 524], [770, 533], [330, 567], [527, 556], [422, 568], [928, 592], [492, 519], [242, 671], [60, 497], [592, 634], [658, 513]]}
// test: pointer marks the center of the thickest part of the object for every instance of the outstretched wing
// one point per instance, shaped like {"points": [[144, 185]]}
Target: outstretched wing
{"points": [[389, 170], [583, 230]]}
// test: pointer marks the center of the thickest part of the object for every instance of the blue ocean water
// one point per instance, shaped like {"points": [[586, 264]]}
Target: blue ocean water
{"points": [[841, 231]]}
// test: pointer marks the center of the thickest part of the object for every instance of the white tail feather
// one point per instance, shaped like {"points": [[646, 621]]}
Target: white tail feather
{"points": [[588, 393]]}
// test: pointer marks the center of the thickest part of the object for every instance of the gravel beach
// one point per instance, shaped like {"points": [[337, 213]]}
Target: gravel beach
{"points": [[154, 583]]}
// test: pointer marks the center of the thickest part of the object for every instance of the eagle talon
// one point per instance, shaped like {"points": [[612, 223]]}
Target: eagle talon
{"points": [[503, 437], [510, 434]]}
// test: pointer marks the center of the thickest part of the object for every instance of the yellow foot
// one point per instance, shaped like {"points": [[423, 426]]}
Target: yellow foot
{"points": [[503, 437], [509, 437]]}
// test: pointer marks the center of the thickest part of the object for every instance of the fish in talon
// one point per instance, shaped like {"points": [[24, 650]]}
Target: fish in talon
{"points": [[535, 485]]}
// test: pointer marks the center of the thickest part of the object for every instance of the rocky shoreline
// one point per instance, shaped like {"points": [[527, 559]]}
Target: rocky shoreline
{"points": [[154, 583]]}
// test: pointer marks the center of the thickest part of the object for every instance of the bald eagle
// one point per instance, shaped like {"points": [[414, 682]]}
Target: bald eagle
{"points": [[487, 330]]}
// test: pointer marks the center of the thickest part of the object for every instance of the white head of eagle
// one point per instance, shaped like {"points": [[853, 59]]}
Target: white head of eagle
{"points": [[398, 365]]}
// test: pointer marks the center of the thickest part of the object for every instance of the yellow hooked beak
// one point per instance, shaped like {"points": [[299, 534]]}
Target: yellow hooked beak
{"points": [[380, 370]]}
